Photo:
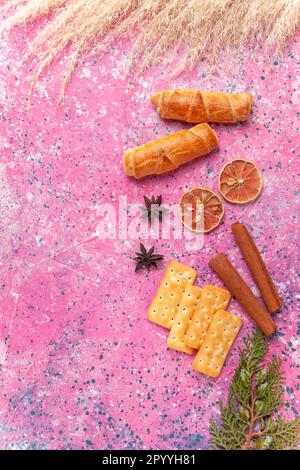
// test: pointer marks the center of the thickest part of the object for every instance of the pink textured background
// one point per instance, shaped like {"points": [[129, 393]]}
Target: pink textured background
{"points": [[80, 365]]}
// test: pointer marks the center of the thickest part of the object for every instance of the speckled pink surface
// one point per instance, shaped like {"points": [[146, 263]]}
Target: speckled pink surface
{"points": [[80, 366]]}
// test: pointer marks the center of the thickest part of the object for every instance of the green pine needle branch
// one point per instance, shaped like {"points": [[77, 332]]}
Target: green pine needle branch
{"points": [[249, 421]]}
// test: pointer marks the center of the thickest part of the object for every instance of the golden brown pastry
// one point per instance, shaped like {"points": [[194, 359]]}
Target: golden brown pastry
{"points": [[203, 106], [168, 153]]}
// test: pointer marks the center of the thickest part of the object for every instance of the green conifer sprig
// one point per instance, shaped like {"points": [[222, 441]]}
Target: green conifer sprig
{"points": [[250, 419]]}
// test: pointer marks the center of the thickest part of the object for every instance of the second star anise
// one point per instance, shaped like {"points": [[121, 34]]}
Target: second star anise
{"points": [[146, 259]]}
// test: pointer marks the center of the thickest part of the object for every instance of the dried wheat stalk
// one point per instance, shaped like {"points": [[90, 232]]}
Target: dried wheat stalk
{"points": [[160, 28]]}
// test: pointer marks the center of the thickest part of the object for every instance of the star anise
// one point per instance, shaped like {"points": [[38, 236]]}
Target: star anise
{"points": [[146, 259], [153, 208]]}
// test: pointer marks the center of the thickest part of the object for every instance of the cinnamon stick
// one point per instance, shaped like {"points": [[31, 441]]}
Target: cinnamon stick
{"points": [[239, 289], [257, 267]]}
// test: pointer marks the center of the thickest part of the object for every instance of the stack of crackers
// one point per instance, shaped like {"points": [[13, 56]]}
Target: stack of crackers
{"points": [[196, 317]]}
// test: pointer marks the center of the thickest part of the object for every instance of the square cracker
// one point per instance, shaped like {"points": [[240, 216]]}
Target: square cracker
{"points": [[189, 302], [217, 343], [164, 306], [213, 299]]}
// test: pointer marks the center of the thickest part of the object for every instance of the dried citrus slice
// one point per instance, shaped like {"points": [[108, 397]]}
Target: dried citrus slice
{"points": [[240, 181], [201, 210]]}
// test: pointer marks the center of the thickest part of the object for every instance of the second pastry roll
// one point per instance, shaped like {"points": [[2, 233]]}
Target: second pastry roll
{"points": [[170, 152]]}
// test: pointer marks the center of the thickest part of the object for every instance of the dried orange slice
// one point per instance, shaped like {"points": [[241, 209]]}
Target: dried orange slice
{"points": [[240, 181], [201, 210]]}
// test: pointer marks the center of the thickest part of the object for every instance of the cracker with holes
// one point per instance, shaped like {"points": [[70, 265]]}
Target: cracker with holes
{"points": [[167, 299], [213, 299], [189, 303], [217, 343]]}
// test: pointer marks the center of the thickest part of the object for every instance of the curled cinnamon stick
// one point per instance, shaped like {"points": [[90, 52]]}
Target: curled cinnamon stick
{"points": [[239, 289], [257, 267]]}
